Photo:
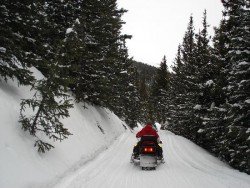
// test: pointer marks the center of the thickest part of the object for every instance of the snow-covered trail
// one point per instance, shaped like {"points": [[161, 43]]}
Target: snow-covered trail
{"points": [[187, 166]]}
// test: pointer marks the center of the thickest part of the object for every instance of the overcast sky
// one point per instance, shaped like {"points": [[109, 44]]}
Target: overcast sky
{"points": [[158, 26]]}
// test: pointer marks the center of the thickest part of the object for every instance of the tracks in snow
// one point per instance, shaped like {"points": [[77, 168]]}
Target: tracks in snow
{"points": [[187, 166]]}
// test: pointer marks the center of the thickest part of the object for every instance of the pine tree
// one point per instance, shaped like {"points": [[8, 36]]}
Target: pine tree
{"points": [[239, 62], [72, 55], [204, 78], [188, 44], [50, 102], [177, 89], [49, 105], [237, 20], [190, 83], [144, 99], [101, 66], [215, 82], [130, 101], [15, 25], [188, 59], [226, 135], [213, 134], [185, 85], [219, 52], [118, 65], [160, 92]]}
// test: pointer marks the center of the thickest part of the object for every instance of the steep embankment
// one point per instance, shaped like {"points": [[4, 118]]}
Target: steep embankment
{"points": [[93, 129]]}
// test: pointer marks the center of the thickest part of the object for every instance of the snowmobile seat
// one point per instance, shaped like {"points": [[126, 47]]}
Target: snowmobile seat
{"points": [[149, 138]]}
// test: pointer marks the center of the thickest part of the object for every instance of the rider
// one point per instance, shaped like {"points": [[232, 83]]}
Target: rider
{"points": [[148, 130]]}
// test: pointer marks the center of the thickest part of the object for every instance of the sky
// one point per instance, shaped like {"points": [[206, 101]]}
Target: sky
{"points": [[158, 26]]}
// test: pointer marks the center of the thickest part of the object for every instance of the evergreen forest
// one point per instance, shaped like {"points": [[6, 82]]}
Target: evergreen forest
{"points": [[79, 48]]}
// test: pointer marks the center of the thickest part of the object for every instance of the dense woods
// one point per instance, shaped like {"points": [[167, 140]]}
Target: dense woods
{"points": [[210, 101], [80, 50]]}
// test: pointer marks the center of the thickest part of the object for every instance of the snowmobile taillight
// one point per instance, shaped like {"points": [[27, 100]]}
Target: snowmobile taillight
{"points": [[148, 149]]}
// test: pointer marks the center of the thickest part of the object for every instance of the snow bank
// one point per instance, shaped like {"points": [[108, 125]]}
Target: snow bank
{"points": [[23, 167]]}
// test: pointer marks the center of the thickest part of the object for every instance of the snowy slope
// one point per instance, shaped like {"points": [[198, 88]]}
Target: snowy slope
{"points": [[187, 166], [91, 159], [20, 164]]}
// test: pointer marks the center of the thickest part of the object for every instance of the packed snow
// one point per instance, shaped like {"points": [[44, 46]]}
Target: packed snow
{"points": [[98, 154], [187, 166]]}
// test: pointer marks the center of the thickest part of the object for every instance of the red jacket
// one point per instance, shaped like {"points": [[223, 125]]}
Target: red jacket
{"points": [[147, 130]]}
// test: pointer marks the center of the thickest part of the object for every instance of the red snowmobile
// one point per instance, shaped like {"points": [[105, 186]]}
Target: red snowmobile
{"points": [[148, 158]]}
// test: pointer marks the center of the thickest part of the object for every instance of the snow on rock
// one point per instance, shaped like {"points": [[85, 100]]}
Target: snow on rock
{"points": [[78, 21], [247, 101], [212, 105], [197, 107], [209, 83], [222, 109], [21, 166], [2, 49], [69, 30], [243, 63], [237, 105], [200, 131], [248, 130]]}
